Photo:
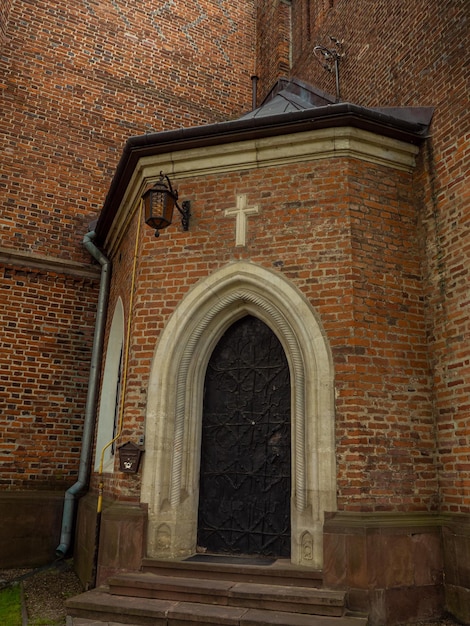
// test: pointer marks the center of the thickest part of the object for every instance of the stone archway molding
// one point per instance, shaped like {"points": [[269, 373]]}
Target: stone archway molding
{"points": [[170, 478]]}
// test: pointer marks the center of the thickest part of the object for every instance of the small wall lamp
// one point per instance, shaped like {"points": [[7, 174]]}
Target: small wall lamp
{"points": [[159, 203]]}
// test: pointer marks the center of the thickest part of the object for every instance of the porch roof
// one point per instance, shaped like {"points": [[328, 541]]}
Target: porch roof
{"points": [[290, 107]]}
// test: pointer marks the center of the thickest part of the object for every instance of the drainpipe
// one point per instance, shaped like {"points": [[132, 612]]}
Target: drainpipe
{"points": [[89, 423]]}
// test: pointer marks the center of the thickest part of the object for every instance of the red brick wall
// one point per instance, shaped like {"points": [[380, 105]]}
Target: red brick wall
{"points": [[4, 15], [77, 79], [386, 436], [415, 54], [273, 44], [345, 233], [47, 329]]}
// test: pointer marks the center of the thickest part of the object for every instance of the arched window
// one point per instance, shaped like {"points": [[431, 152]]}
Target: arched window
{"points": [[110, 391]]}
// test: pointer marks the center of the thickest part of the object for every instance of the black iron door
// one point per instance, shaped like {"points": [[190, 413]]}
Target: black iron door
{"points": [[245, 484]]}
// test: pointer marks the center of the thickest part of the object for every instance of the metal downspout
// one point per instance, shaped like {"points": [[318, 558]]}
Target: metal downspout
{"points": [[89, 423]]}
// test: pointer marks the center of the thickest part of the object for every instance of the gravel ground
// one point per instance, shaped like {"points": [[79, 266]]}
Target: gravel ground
{"points": [[46, 591]]}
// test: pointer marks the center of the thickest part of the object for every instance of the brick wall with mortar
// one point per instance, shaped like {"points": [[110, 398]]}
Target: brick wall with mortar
{"points": [[273, 43], [47, 329], [4, 16], [77, 79], [343, 231], [415, 54], [384, 250], [68, 108]]}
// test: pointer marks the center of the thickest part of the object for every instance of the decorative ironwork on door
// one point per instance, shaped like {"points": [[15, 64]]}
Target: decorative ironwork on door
{"points": [[245, 479]]}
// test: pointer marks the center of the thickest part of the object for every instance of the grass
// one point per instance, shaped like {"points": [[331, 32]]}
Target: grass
{"points": [[10, 606]]}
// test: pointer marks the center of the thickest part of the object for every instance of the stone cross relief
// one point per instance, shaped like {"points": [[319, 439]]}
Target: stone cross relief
{"points": [[241, 212]]}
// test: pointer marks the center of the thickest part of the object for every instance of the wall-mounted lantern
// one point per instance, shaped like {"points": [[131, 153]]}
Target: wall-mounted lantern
{"points": [[129, 457], [159, 203]]}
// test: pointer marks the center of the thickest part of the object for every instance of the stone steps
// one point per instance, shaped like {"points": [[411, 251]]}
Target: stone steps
{"points": [[280, 572], [176, 594], [101, 608], [229, 593]]}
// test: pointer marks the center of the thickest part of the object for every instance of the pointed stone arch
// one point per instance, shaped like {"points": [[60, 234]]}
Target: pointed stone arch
{"points": [[175, 397]]}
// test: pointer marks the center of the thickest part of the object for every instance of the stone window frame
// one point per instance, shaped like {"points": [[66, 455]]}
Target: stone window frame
{"points": [[110, 396]]}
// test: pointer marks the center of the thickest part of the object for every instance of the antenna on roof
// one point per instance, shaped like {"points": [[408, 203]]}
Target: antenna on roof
{"points": [[329, 59]]}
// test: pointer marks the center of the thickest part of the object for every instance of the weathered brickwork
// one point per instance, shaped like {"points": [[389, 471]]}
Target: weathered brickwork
{"points": [[4, 15], [344, 232], [382, 255], [414, 54], [47, 331], [77, 79], [273, 44]]}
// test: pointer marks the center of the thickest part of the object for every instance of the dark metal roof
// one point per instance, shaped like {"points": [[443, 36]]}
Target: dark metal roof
{"points": [[288, 96], [290, 107]]}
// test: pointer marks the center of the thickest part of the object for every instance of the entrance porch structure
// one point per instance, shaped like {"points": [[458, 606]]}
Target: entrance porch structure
{"points": [[302, 216]]}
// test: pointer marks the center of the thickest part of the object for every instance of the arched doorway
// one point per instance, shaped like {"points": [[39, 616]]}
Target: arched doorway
{"points": [[170, 477], [245, 475]]}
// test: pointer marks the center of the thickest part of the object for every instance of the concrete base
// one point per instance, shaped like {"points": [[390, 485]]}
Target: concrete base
{"points": [[30, 524], [122, 539], [397, 568], [456, 542], [391, 565], [85, 540]]}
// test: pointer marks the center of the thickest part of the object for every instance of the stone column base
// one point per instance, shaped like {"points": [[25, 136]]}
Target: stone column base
{"points": [[122, 539], [29, 527], [456, 543], [390, 564]]}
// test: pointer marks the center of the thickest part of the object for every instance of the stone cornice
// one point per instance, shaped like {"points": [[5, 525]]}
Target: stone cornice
{"points": [[350, 521], [273, 151], [408, 125], [45, 263]]}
